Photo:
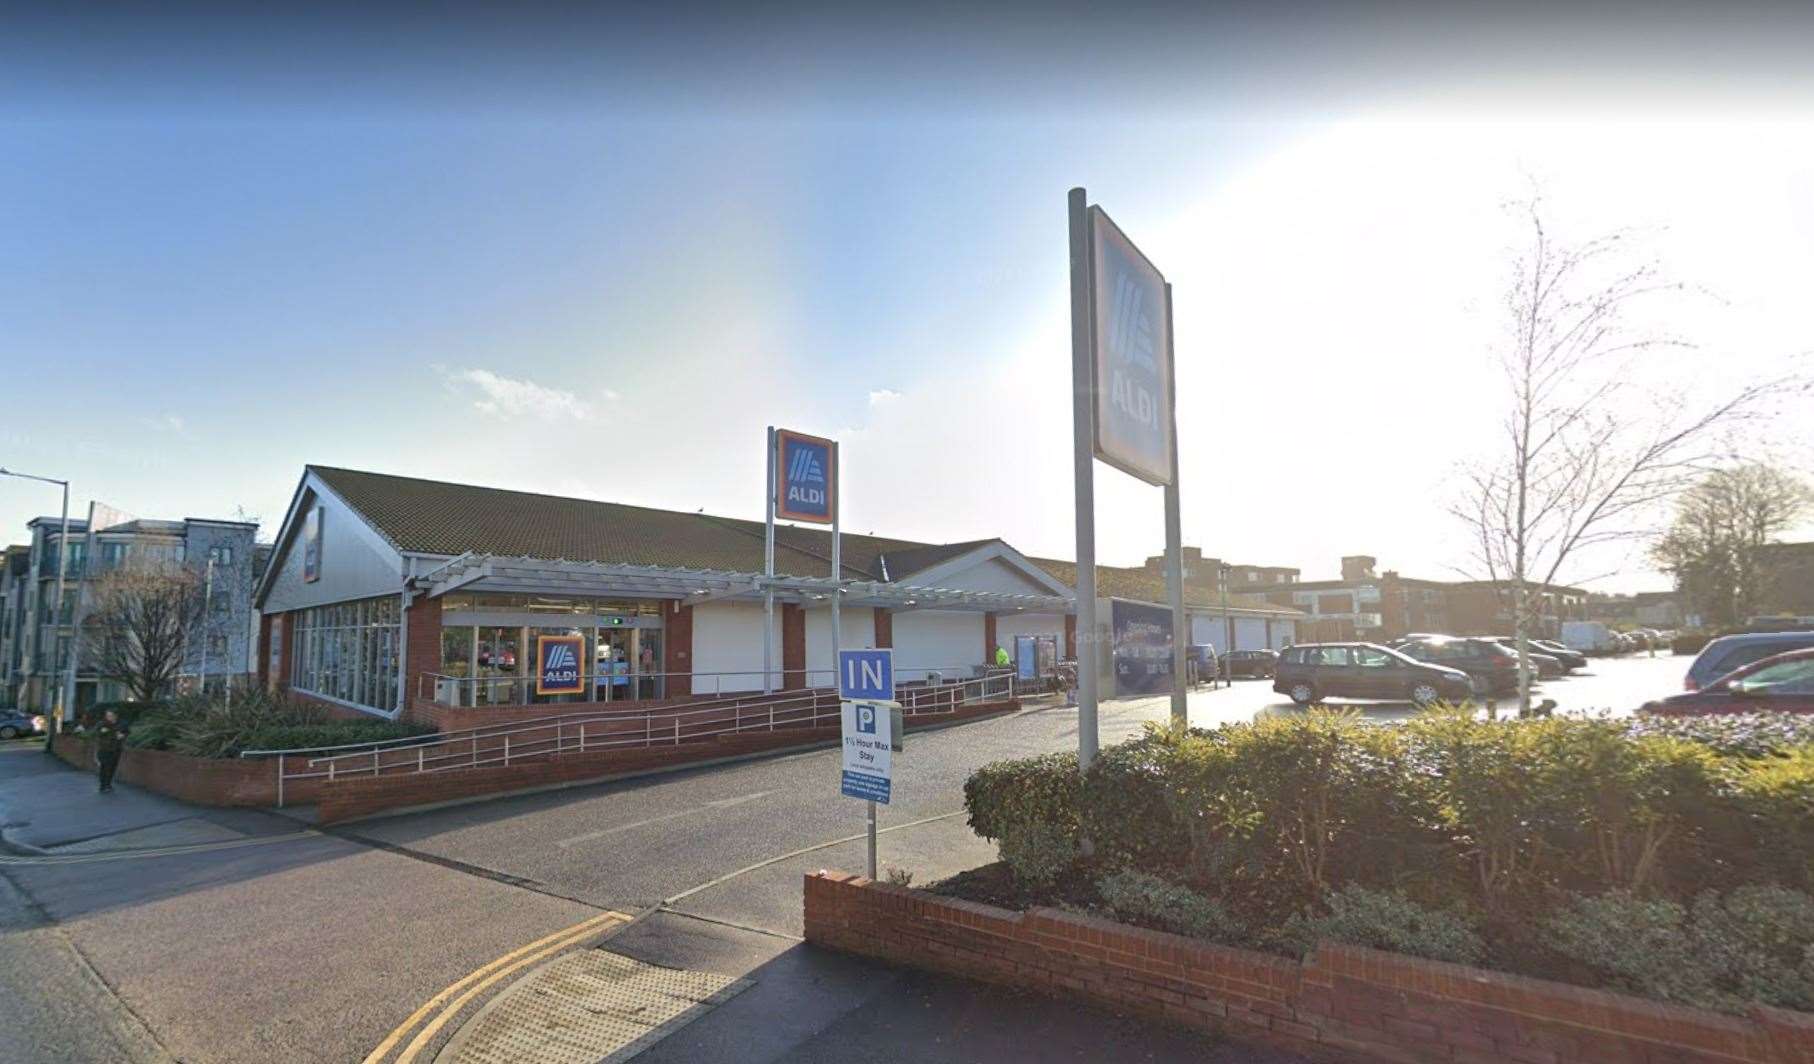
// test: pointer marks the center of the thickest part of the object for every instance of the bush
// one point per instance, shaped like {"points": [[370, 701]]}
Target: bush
{"points": [[217, 729], [1038, 852], [1386, 920], [1006, 794], [1742, 735], [1775, 798], [1152, 902], [130, 713], [1755, 944]]}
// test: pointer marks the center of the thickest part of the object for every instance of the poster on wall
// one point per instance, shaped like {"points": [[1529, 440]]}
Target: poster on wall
{"points": [[311, 545], [1143, 648], [557, 664]]}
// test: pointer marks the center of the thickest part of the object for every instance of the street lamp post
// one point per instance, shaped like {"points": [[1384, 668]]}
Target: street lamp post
{"points": [[57, 707], [1228, 625]]}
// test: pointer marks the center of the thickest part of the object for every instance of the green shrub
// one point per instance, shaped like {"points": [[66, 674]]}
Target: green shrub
{"points": [[1153, 902], [1038, 852], [1775, 798], [1124, 805], [260, 721], [1386, 920], [130, 713], [1747, 735], [1005, 794], [1755, 944]]}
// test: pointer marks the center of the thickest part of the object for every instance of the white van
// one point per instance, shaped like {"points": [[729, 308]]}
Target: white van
{"points": [[1589, 637]]}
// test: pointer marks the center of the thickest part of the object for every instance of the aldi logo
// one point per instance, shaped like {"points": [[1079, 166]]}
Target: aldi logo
{"points": [[806, 477], [557, 664]]}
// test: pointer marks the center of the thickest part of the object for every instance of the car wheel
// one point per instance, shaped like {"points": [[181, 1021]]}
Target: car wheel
{"points": [[9, 732], [1423, 694], [1303, 694]]}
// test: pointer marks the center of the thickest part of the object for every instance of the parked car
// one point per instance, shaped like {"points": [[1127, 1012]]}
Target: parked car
{"points": [[1548, 666], [1311, 672], [13, 724], [1589, 637], [1781, 683], [1257, 663], [1730, 652], [1491, 669], [1570, 659]]}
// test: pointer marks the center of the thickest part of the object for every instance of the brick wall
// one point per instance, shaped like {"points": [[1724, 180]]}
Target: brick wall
{"points": [[677, 649], [199, 780], [989, 638], [1070, 637], [884, 620], [354, 797], [1342, 1004], [421, 644], [793, 647]]}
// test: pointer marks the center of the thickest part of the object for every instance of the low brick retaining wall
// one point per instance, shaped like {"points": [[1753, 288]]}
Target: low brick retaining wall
{"points": [[198, 780], [361, 796], [1344, 1003]]}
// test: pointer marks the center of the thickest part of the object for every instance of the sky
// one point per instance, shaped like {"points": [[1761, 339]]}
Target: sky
{"points": [[575, 251]]}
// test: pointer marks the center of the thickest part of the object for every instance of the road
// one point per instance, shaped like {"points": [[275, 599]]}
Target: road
{"points": [[301, 946]]}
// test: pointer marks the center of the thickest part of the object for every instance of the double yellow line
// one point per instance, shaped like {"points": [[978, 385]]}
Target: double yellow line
{"points": [[456, 997]]}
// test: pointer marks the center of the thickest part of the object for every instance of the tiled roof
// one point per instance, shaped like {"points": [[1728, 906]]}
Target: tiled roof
{"points": [[1143, 585], [435, 517]]}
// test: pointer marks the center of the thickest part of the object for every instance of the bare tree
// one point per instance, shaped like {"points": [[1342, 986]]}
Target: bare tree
{"points": [[141, 622], [1714, 548], [1592, 442]]}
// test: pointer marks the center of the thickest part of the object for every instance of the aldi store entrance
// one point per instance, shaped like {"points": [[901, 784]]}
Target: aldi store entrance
{"points": [[488, 644]]}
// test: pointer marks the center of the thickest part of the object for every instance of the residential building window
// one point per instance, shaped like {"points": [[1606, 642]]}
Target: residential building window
{"points": [[348, 652], [114, 555], [220, 556]]}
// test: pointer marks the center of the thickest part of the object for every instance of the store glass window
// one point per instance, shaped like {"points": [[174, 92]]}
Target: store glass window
{"points": [[348, 651]]}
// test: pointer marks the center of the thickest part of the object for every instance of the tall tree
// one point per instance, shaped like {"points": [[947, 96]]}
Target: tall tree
{"points": [[1591, 442], [143, 616], [1714, 547]]}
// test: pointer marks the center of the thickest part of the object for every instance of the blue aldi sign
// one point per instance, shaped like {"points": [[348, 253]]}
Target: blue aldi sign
{"points": [[1133, 353], [806, 477], [557, 664]]}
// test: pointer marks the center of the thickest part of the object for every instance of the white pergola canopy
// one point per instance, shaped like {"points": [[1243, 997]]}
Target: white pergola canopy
{"points": [[484, 572]]}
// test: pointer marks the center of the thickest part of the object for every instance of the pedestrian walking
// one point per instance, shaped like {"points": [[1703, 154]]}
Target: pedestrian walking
{"points": [[109, 741]]}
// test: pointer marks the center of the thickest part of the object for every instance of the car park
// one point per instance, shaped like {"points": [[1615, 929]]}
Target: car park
{"points": [[14, 724], [1491, 669], [1548, 666], [1731, 652], [1252, 663], [1782, 683], [1311, 672], [1570, 659]]}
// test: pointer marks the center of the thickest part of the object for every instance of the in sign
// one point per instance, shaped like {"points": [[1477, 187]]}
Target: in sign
{"points": [[866, 675]]}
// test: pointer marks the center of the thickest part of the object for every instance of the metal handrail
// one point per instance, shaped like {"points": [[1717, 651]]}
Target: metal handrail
{"points": [[428, 682], [662, 726]]}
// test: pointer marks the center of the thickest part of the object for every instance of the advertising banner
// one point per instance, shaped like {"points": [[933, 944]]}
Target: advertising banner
{"points": [[1143, 648], [805, 477], [1132, 349], [557, 664]]}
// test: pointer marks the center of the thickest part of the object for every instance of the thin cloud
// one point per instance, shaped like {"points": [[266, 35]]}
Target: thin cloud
{"points": [[883, 396], [171, 423], [501, 396]]}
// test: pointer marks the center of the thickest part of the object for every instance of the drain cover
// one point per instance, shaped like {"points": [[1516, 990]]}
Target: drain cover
{"points": [[589, 1007]]}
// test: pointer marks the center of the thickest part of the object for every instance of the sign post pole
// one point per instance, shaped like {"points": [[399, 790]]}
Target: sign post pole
{"points": [[869, 713], [837, 593], [1174, 550], [768, 572], [1083, 432]]}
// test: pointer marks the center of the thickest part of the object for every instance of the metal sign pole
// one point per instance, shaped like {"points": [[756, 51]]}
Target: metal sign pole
{"points": [[768, 571], [837, 558], [1083, 432], [872, 838], [1174, 551]]}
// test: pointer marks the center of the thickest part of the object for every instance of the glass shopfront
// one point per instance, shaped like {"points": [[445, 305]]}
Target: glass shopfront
{"points": [[488, 643]]}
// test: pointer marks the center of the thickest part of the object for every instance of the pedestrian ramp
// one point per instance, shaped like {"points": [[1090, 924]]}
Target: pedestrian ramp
{"points": [[588, 1007]]}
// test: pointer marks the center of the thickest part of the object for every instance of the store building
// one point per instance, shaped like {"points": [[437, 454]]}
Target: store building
{"points": [[385, 591], [388, 594]]}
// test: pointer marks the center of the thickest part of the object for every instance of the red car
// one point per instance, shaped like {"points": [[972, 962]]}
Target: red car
{"points": [[1783, 683]]}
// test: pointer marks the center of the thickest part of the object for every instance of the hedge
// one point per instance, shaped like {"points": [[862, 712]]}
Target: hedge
{"points": [[1439, 823], [216, 728]]}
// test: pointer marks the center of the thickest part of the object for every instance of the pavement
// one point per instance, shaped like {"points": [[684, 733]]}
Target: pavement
{"points": [[237, 935]]}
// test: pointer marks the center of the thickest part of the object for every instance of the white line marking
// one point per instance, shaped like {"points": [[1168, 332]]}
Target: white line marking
{"points": [[722, 803]]}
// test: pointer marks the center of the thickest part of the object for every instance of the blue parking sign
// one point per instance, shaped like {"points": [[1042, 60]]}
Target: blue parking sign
{"points": [[866, 675]]}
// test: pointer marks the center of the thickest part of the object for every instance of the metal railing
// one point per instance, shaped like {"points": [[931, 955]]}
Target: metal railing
{"points": [[478, 692], [507, 743]]}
